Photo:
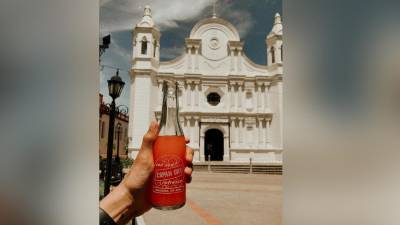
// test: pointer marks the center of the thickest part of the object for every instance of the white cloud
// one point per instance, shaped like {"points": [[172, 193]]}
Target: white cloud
{"points": [[122, 15], [241, 19], [172, 52], [119, 50], [125, 14]]}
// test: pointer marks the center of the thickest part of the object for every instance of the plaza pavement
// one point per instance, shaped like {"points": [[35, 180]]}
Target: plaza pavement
{"points": [[226, 199]]}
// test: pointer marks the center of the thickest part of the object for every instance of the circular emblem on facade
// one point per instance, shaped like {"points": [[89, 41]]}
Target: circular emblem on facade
{"points": [[214, 43]]}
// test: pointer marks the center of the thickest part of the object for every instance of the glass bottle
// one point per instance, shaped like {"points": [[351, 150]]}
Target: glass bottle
{"points": [[168, 182]]}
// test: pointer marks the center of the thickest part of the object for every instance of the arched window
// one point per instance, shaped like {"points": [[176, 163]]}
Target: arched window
{"points": [[272, 54], [155, 48], [144, 46], [282, 53]]}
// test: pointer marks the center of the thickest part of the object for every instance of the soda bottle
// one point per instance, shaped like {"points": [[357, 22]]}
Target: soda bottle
{"points": [[168, 181]]}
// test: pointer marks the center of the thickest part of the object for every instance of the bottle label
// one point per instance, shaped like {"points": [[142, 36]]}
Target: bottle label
{"points": [[169, 177]]}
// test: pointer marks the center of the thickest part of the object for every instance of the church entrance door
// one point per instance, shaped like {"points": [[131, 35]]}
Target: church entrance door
{"points": [[214, 145]]}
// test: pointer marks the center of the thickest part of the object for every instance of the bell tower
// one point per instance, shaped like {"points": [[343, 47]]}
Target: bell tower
{"points": [[274, 42], [145, 65], [274, 89], [146, 42]]}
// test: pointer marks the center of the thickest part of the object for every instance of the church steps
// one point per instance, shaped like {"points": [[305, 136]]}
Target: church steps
{"points": [[239, 168]]}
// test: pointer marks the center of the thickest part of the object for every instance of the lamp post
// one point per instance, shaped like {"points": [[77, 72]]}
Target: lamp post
{"points": [[115, 86], [119, 126], [106, 44]]}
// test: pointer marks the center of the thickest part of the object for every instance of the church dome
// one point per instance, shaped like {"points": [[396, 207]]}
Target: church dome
{"points": [[216, 24], [214, 34]]}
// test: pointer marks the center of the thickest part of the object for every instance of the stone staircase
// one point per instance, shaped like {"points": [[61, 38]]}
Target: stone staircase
{"points": [[244, 168]]}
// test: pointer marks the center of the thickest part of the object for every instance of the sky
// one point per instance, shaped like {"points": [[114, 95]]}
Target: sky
{"points": [[175, 19]]}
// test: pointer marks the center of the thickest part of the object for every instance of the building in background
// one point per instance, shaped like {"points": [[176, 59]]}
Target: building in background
{"points": [[121, 118], [231, 107]]}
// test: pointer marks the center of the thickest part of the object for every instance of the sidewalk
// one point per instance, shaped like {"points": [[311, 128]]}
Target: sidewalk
{"points": [[226, 199]]}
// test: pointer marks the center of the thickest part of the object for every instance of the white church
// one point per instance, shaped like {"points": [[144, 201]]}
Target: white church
{"points": [[230, 107]]}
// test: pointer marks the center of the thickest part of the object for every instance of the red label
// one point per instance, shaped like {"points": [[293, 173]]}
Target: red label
{"points": [[168, 175], [168, 186]]}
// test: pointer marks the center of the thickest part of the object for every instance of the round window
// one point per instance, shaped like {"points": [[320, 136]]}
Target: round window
{"points": [[213, 98]]}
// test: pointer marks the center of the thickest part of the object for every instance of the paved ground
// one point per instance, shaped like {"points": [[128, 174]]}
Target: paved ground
{"points": [[226, 199]]}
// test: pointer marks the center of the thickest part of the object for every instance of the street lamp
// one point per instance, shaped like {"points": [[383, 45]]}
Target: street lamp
{"points": [[106, 44], [119, 127], [115, 86]]}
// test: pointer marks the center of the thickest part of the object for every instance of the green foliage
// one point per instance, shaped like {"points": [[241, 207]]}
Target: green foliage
{"points": [[101, 189], [126, 163]]}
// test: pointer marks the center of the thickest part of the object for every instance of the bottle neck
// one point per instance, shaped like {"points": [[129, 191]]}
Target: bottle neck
{"points": [[169, 124]]}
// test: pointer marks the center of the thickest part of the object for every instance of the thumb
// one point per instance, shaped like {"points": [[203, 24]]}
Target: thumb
{"points": [[150, 137]]}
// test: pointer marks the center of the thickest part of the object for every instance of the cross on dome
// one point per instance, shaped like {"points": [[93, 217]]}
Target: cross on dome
{"points": [[214, 9], [147, 11], [147, 20]]}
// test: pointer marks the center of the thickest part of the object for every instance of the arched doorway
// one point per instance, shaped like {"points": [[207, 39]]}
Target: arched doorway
{"points": [[214, 145]]}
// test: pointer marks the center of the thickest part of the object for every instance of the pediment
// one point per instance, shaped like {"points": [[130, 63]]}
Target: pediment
{"points": [[206, 67]]}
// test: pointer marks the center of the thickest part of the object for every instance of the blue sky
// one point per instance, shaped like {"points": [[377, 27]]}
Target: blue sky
{"points": [[175, 19]]}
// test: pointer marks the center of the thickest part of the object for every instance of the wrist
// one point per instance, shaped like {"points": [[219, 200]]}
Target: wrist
{"points": [[135, 183], [117, 203]]}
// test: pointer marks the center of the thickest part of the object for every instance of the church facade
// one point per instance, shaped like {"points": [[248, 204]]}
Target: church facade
{"points": [[230, 107]]}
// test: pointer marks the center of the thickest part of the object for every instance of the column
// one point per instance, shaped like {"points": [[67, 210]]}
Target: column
{"points": [[201, 96], [239, 63], [236, 128], [188, 97], [181, 86], [238, 98], [158, 51], [266, 95], [262, 91], [232, 97], [228, 97], [187, 127], [242, 98], [259, 100], [193, 132], [136, 49], [278, 54], [197, 91], [236, 60], [232, 133], [240, 131], [254, 99], [196, 133], [160, 94], [267, 131], [192, 95], [196, 63], [260, 132], [189, 49], [190, 130], [256, 132], [236, 93], [192, 50], [182, 122], [232, 53]]}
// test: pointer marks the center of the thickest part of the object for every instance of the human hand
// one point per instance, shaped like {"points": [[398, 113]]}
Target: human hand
{"points": [[129, 198]]}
